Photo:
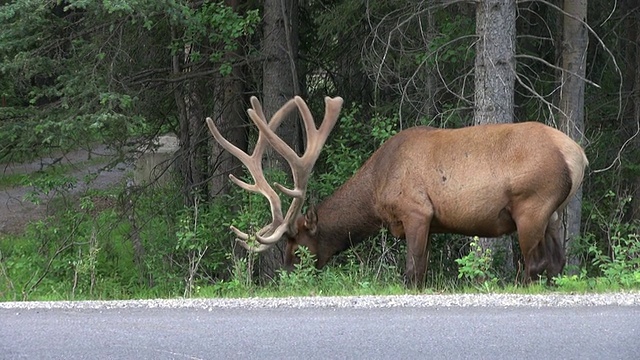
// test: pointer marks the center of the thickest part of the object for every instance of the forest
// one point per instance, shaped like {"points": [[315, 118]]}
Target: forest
{"points": [[117, 75]]}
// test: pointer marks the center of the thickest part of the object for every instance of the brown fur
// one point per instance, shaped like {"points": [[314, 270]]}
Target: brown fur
{"points": [[486, 180]]}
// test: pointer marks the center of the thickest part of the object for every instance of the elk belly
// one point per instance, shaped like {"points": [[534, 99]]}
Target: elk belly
{"points": [[473, 215]]}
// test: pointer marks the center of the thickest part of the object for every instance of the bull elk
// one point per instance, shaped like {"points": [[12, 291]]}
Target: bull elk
{"points": [[486, 180]]}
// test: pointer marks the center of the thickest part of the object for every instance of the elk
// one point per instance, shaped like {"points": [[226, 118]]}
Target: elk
{"points": [[485, 180]]}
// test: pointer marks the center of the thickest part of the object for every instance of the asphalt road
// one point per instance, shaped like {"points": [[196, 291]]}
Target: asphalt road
{"points": [[582, 332]]}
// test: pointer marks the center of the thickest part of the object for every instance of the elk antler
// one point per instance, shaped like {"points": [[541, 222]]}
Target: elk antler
{"points": [[254, 164], [301, 166]]}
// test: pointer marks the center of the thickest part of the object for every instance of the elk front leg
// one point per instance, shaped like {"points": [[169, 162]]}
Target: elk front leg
{"points": [[417, 235]]}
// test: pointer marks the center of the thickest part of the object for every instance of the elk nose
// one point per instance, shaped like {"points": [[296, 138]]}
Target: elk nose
{"points": [[288, 267]]}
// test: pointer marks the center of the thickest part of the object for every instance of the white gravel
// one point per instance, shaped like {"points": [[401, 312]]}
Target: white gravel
{"points": [[469, 300]]}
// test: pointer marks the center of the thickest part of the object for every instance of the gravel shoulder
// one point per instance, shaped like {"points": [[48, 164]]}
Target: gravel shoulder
{"points": [[368, 302]]}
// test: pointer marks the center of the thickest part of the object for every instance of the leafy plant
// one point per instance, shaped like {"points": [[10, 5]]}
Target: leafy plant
{"points": [[190, 240], [383, 128], [241, 281], [622, 263], [46, 184], [475, 267], [304, 274]]}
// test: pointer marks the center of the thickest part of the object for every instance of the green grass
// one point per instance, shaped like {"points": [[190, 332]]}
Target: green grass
{"points": [[11, 180], [20, 179], [332, 281], [82, 253], [24, 258]]}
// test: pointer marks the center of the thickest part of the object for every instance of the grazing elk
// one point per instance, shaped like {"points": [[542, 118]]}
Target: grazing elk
{"points": [[486, 180]]}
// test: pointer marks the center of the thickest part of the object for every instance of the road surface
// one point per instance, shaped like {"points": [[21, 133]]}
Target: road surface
{"points": [[452, 332]]}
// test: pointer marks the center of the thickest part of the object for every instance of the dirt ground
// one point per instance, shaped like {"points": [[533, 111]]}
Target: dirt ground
{"points": [[16, 212]]}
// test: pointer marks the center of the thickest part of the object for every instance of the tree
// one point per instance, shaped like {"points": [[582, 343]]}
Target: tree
{"points": [[495, 79], [208, 45], [571, 102], [193, 154], [631, 88], [229, 108], [495, 61], [120, 74], [280, 82]]}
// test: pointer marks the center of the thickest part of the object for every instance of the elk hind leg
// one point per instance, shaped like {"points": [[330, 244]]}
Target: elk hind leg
{"points": [[554, 247], [531, 236]]}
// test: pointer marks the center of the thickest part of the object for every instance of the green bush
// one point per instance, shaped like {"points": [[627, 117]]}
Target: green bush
{"points": [[476, 267], [621, 263], [304, 276], [609, 250]]}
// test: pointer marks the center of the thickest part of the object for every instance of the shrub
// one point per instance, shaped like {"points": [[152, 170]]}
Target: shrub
{"points": [[475, 267]]}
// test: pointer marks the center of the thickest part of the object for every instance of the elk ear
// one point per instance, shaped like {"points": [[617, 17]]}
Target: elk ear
{"points": [[311, 220]]}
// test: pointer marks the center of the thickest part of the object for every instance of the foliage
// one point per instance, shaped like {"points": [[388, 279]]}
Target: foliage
{"points": [[343, 155], [621, 264], [70, 256], [352, 142], [611, 254], [304, 274], [476, 267], [76, 72], [190, 240]]}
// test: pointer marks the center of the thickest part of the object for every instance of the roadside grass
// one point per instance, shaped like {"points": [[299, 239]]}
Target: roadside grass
{"points": [[86, 250], [96, 261], [30, 271]]}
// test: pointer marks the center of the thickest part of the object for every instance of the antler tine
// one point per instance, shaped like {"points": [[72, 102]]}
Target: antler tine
{"points": [[235, 151], [259, 247], [317, 137], [301, 166], [254, 165]]}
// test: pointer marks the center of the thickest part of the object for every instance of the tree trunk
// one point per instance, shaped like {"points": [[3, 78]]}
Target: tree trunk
{"points": [[230, 112], [494, 85], [631, 88], [430, 109], [280, 83], [574, 61], [193, 153], [495, 61], [280, 77]]}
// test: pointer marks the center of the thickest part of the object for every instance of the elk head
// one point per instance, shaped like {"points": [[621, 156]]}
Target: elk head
{"points": [[293, 224]]}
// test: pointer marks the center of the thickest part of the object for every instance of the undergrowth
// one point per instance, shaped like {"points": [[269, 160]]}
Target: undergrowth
{"points": [[49, 262], [127, 243]]}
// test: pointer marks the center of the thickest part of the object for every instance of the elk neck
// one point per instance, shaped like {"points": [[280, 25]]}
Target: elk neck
{"points": [[347, 216]]}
